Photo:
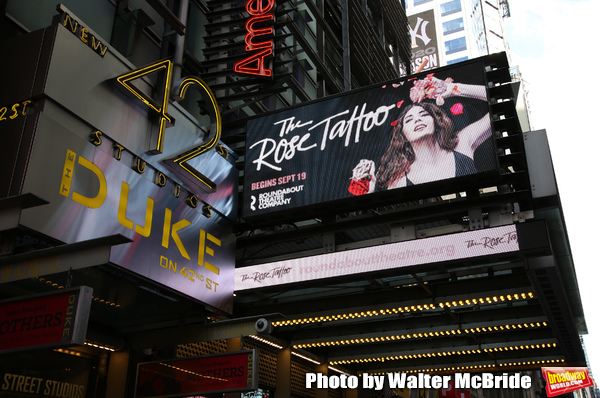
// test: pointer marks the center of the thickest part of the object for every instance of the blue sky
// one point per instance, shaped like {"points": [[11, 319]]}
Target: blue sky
{"points": [[556, 44]]}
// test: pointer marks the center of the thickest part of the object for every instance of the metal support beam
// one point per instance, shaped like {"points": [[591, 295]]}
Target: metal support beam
{"points": [[346, 44]]}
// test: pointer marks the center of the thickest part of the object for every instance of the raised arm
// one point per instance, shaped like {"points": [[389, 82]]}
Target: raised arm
{"points": [[470, 137]]}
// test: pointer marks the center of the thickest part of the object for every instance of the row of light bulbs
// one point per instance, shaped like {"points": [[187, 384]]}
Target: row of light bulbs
{"points": [[408, 336], [200, 375], [98, 345], [407, 309], [267, 342], [96, 299], [440, 354], [481, 368], [280, 347]]}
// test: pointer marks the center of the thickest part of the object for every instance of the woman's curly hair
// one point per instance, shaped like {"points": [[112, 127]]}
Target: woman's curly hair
{"points": [[400, 154]]}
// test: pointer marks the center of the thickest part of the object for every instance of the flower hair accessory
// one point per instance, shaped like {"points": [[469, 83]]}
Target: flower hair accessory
{"points": [[432, 88]]}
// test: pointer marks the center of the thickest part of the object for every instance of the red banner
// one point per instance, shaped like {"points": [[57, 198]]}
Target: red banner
{"points": [[194, 376], [44, 320], [563, 380]]}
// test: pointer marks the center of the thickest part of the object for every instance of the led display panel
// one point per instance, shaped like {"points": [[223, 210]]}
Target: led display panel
{"points": [[524, 237], [419, 130], [491, 241]]}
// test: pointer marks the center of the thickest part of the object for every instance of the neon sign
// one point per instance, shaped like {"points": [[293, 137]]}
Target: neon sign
{"points": [[254, 64], [181, 160], [83, 34]]}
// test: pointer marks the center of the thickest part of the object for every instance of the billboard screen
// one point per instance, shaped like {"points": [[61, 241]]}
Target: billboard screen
{"points": [[417, 130]]}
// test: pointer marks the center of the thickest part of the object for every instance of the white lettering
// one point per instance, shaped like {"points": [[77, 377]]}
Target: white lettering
{"points": [[273, 152]]}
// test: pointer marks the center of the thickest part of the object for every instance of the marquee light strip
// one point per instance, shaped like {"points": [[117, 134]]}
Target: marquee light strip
{"points": [[408, 309], [408, 336], [58, 286], [481, 368], [100, 346], [268, 342], [444, 354]]}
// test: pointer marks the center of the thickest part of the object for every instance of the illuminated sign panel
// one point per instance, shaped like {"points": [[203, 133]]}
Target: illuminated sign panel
{"points": [[112, 160], [50, 320], [563, 380], [258, 39], [407, 132], [230, 372], [378, 258]]}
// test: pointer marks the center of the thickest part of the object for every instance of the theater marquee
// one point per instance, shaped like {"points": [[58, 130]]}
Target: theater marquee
{"points": [[111, 159], [378, 258], [413, 253]]}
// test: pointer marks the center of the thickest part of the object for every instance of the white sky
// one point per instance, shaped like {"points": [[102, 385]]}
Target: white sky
{"points": [[556, 44]]}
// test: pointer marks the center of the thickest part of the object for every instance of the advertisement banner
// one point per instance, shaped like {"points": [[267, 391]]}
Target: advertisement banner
{"points": [[49, 320], [423, 40], [404, 133], [378, 258], [230, 372], [564, 380]]}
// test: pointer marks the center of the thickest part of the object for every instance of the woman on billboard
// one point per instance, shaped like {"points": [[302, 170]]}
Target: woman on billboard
{"points": [[426, 145]]}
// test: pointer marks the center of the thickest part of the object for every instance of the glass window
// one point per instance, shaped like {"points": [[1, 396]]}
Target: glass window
{"points": [[453, 26], [456, 45], [454, 61], [450, 7], [419, 2]]}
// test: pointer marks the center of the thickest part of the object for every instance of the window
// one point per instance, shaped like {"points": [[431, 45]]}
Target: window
{"points": [[454, 61], [419, 2], [456, 45], [455, 25], [450, 7]]}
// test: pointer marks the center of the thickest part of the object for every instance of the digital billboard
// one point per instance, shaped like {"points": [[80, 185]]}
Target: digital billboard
{"points": [[377, 258], [418, 130], [519, 238]]}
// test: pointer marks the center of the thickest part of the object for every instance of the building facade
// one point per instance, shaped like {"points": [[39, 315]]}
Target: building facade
{"points": [[182, 215], [464, 29]]}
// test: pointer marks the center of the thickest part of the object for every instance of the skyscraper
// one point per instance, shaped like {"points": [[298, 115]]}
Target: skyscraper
{"points": [[464, 29]]}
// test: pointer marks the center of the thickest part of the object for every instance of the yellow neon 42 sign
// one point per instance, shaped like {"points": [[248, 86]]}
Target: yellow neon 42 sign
{"points": [[166, 120]]}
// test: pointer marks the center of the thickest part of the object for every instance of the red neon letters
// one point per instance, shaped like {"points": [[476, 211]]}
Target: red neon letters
{"points": [[254, 64]]}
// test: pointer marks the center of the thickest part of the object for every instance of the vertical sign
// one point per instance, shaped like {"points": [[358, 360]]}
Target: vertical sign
{"points": [[258, 39], [423, 40]]}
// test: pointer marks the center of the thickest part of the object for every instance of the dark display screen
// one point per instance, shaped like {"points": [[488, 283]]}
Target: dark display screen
{"points": [[408, 132]]}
